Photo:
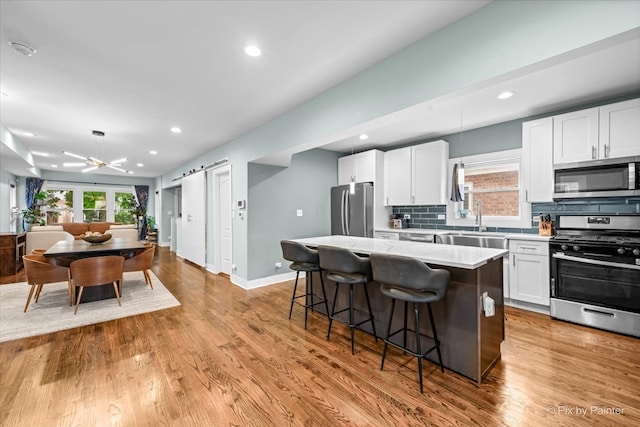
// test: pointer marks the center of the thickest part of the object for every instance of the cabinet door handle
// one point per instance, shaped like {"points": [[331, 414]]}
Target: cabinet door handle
{"points": [[606, 150], [514, 260], [526, 195], [593, 152]]}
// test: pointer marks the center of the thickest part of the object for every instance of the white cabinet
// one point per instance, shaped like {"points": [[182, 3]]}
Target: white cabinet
{"points": [[575, 136], [537, 160], [429, 173], [529, 271], [620, 129], [417, 175], [397, 177], [608, 131], [361, 166], [387, 235]]}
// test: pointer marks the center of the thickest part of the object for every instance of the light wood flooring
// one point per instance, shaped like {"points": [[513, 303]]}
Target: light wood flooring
{"points": [[230, 357]]}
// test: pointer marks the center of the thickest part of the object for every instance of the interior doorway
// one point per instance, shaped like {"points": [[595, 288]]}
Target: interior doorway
{"points": [[222, 221], [193, 239]]}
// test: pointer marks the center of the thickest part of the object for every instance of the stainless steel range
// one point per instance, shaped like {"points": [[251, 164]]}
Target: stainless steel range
{"points": [[595, 271]]}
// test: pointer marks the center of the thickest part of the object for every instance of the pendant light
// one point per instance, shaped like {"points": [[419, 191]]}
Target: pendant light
{"points": [[352, 182], [457, 178]]}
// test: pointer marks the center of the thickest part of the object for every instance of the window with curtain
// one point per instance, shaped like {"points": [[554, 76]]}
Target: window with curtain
{"points": [[59, 206], [125, 203]]}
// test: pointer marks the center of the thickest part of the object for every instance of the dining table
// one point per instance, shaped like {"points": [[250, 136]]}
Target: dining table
{"points": [[63, 253]]}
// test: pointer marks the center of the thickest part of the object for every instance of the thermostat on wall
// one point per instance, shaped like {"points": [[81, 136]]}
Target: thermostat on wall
{"points": [[242, 204]]}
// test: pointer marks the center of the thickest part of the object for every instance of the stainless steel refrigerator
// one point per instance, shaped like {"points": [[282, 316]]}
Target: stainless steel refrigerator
{"points": [[352, 214]]}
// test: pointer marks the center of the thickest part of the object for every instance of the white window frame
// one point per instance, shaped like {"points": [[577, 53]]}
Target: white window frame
{"points": [[78, 196], [523, 221]]}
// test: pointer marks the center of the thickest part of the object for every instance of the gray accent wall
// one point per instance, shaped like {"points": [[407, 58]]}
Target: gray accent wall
{"points": [[503, 38], [275, 194]]}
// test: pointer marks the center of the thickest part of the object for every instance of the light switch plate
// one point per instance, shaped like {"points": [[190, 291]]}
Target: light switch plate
{"points": [[299, 212]]}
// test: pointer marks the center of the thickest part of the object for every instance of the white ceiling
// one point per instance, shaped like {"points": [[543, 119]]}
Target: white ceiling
{"points": [[133, 69]]}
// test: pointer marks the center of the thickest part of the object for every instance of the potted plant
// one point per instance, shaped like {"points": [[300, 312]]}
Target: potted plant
{"points": [[30, 217], [151, 222]]}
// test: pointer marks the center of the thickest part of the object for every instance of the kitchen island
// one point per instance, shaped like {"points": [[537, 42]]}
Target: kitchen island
{"points": [[470, 340]]}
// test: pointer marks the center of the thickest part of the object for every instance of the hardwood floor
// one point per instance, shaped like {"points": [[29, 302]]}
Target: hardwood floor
{"points": [[228, 356]]}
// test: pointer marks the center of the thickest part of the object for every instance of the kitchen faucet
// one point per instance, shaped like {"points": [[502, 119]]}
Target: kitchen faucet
{"points": [[481, 228]]}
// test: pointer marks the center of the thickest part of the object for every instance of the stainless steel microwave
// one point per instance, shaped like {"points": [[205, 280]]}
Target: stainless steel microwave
{"points": [[597, 178]]}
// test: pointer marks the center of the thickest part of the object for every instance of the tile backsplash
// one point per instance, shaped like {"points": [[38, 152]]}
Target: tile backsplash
{"points": [[434, 216]]}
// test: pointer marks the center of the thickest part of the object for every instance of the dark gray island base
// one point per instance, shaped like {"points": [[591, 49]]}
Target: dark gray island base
{"points": [[470, 341]]}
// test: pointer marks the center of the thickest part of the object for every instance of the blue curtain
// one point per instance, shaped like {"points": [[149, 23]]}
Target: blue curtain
{"points": [[142, 194], [33, 187]]}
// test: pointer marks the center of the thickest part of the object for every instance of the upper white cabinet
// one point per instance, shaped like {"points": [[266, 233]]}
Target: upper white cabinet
{"points": [[397, 177], [620, 129], [537, 160], [361, 166], [605, 132], [417, 175]]}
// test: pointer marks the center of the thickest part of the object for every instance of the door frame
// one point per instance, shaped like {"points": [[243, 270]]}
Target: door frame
{"points": [[216, 266]]}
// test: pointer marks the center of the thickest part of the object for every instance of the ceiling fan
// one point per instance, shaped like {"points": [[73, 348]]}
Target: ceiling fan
{"points": [[94, 163]]}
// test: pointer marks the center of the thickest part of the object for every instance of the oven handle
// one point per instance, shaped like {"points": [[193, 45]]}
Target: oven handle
{"points": [[596, 261]]}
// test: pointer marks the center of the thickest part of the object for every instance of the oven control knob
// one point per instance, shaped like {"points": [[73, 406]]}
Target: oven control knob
{"points": [[564, 247], [636, 251], [576, 248], [621, 251]]}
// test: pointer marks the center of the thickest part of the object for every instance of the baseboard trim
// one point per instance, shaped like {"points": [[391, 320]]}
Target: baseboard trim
{"points": [[263, 281], [542, 309]]}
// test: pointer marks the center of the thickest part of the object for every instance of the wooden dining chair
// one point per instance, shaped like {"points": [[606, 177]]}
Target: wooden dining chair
{"points": [[141, 262], [40, 272], [96, 271]]}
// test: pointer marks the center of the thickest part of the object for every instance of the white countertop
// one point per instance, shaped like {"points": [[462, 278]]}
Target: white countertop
{"points": [[448, 255], [520, 236]]}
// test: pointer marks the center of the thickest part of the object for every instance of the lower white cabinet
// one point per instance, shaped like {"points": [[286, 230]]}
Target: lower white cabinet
{"points": [[387, 235], [529, 271]]}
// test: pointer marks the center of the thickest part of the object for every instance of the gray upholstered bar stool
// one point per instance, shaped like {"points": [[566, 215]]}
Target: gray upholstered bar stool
{"points": [[345, 267], [409, 280], [304, 259]]}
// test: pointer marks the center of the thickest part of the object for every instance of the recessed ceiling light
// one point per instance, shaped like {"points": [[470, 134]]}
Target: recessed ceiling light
{"points": [[364, 136], [40, 153], [23, 48], [153, 152], [139, 165], [252, 50], [131, 172], [176, 129], [54, 166], [29, 134], [506, 94]]}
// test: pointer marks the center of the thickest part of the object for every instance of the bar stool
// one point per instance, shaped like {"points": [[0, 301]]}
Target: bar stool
{"points": [[304, 259], [409, 280], [345, 267]]}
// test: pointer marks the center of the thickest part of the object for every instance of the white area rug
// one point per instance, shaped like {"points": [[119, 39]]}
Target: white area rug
{"points": [[53, 313]]}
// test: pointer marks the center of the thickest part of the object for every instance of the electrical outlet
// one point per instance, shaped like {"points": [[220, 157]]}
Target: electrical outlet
{"points": [[407, 216], [442, 216], [278, 265]]}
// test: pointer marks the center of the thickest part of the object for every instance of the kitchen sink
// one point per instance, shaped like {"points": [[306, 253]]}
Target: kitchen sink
{"points": [[478, 240]]}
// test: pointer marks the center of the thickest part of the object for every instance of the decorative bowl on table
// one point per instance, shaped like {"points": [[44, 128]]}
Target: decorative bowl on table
{"points": [[96, 238]]}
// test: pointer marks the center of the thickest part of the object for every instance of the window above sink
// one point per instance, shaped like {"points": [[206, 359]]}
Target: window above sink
{"points": [[490, 184]]}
